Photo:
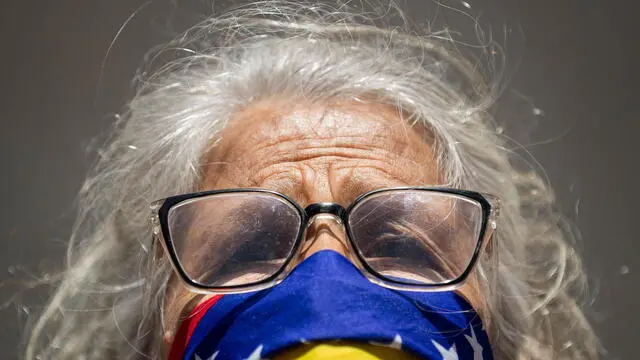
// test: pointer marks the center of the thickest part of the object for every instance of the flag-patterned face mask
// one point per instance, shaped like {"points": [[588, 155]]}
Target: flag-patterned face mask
{"points": [[326, 309]]}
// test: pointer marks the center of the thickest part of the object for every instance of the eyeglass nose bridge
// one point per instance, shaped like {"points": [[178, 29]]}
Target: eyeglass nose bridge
{"points": [[324, 210], [315, 211], [327, 211]]}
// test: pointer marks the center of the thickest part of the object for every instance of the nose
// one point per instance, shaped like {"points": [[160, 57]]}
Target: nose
{"points": [[325, 232]]}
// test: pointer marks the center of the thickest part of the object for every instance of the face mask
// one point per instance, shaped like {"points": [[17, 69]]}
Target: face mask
{"points": [[324, 299]]}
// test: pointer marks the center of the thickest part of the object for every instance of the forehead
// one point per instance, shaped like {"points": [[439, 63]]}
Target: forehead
{"points": [[327, 139], [272, 122]]}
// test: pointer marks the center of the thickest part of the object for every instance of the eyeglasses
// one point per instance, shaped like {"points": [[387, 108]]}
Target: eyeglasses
{"points": [[404, 238]]}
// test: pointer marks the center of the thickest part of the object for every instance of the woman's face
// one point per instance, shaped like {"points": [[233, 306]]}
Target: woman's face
{"points": [[316, 153]]}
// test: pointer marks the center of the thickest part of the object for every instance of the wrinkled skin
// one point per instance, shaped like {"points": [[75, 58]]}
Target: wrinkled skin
{"points": [[315, 153]]}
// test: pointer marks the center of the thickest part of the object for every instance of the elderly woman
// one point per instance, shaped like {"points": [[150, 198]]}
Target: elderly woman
{"points": [[327, 189]]}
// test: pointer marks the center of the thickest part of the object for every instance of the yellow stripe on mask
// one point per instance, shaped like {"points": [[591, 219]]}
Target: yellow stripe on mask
{"points": [[344, 351]]}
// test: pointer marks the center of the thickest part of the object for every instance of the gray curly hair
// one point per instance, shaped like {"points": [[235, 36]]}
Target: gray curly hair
{"points": [[108, 304]]}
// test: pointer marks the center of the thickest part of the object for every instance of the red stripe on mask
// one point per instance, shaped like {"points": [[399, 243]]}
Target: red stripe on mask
{"points": [[188, 326]]}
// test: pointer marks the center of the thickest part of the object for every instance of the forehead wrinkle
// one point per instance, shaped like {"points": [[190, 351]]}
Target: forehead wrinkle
{"points": [[281, 155], [316, 121], [305, 133], [298, 139], [385, 176], [396, 170], [309, 148], [269, 125], [290, 143]]}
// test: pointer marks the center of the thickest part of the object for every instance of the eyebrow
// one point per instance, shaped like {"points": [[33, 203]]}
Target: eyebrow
{"points": [[286, 183], [359, 185]]}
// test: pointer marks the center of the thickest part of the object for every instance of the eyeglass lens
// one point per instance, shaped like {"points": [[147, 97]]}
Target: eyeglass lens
{"points": [[416, 237], [234, 238]]}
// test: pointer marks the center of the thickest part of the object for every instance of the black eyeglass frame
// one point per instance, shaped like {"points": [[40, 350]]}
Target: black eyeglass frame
{"points": [[160, 213]]}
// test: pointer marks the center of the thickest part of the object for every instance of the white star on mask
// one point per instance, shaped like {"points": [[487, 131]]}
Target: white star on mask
{"points": [[450, 354], [475, 345], [256, 354], [212, 357]]}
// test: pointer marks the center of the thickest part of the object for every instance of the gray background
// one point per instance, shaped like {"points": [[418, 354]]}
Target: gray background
{"points": [[579, 64]]}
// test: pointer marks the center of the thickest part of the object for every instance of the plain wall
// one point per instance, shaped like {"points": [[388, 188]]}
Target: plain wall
{"points": [[578, 63]]}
